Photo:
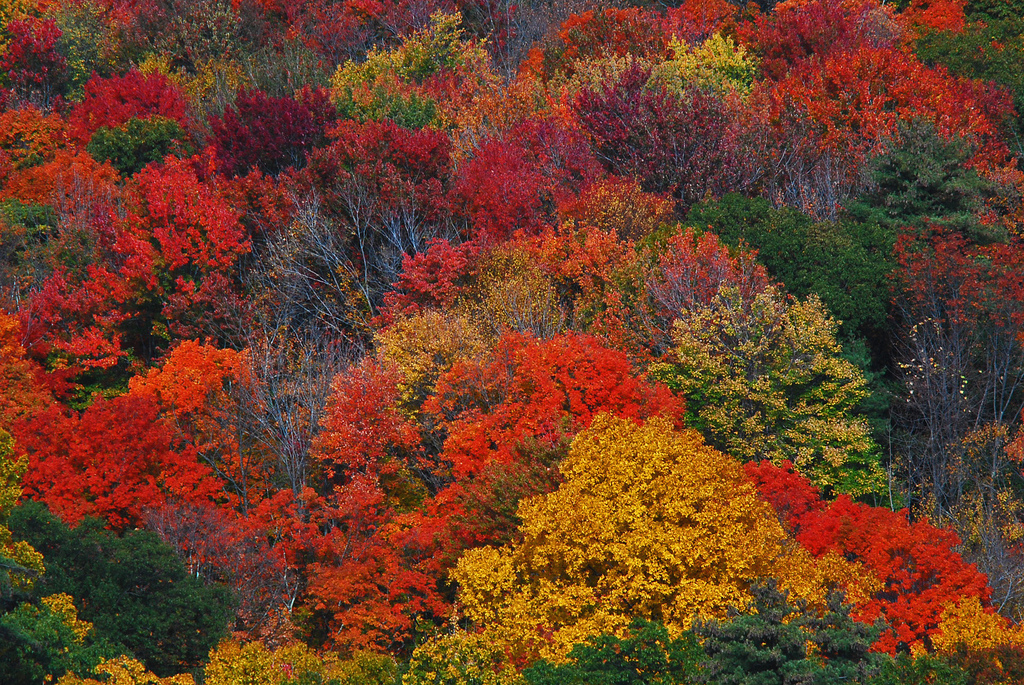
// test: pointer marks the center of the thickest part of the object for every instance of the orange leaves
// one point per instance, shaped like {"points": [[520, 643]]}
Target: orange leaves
{"points": [[192, 375], [537, 390], [363, 427], [19, 390], [936, 15], [29, 137]]}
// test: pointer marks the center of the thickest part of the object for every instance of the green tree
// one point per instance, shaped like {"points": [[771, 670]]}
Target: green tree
{"points": [[922, 670], [133, 589], [40, 636], [38, 643], [648, 655], [921, 177], [847, 263], [136, 143], [779, 642]]}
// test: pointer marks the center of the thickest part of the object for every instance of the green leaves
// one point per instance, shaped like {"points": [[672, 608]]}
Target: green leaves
{"points": [[134, 589]]}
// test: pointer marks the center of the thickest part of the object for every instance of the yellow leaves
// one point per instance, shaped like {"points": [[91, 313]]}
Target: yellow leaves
{"points": [[717, 64], [459, 658], [399, 78], [649, 522], [514, 294], [125, 671], [764, 380], [232, 663], [21, 553], [967, 624], [426, 345], [12, 468], [593, 74], [63, 605]]}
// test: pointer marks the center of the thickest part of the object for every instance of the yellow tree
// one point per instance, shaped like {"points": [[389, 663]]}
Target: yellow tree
{"points": [[649, 523], [19, 562], [763, 379]]}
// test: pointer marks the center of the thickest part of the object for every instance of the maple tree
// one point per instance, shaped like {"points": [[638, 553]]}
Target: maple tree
{"points": [[921, 574], [113, 101], [33, 66]]}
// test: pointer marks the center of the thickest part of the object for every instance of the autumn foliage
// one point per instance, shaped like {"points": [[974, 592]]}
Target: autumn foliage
{"points": [[452, 337]]}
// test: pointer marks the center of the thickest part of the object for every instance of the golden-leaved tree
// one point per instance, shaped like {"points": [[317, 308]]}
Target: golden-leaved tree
{"points": [[19, 562], [763, 379], [650, 522]]}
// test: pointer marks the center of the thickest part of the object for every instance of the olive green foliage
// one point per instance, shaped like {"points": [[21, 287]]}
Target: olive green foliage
{"points": [[385, 86], [923, 177], [846, 264], [648, 655], [778, 642], [82, 39], [923, 670], [991, 10], [134, 589], [763, 379], [136, 143], [459, 658]]}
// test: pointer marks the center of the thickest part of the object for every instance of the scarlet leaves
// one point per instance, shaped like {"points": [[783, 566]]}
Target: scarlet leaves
{"points": [[541, 390], [920, 571], [115, 460], [31, 61], [112, 101], [166, 265]]}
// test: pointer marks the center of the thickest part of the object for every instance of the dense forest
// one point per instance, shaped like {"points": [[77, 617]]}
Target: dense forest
{"points": [[554, 342]]}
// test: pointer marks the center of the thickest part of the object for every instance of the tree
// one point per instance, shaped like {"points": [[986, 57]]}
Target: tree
{"points": [[137, 143], [112, 101], [133, 589], [847, 264], [649, 523], [269, 133], [776, 641], [920, 572], [31, 62], [684, 145], [384, 194], [648, 655], [20, 564], [763, 379], [116, 460], [921, 177], [988, 50]]}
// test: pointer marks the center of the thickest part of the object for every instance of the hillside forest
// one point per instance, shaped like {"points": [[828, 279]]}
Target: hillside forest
{"points": [[497, 342]]}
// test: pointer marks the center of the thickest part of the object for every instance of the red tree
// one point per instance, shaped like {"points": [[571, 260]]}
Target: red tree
{"points": [[916, 563]]}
